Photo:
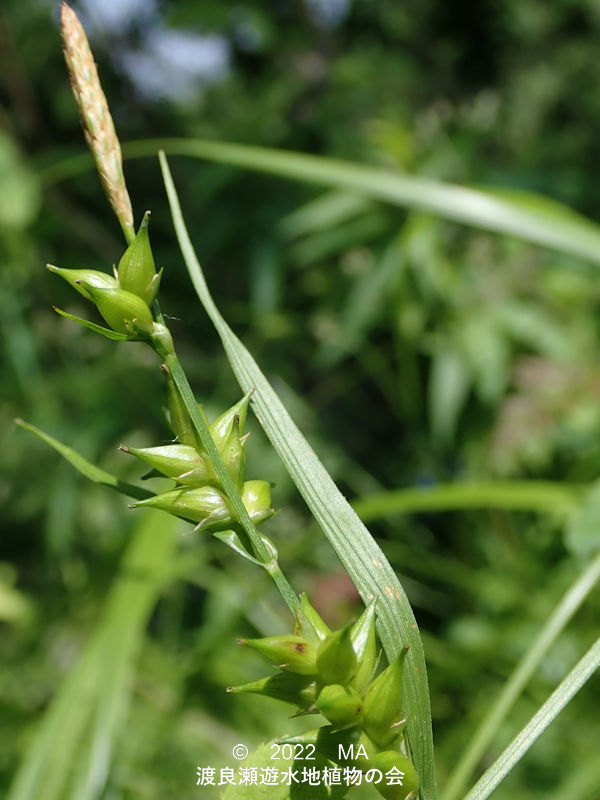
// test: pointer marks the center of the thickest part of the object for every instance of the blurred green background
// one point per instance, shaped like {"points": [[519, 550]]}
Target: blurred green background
{"points": [[411, 351]]}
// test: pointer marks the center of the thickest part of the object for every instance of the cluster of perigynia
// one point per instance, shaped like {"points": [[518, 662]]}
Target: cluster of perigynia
{"points": [[200, 497], [334, 673], [124, 301]]}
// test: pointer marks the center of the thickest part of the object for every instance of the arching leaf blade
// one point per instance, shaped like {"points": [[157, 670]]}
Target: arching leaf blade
{"points": [[361, 556]]}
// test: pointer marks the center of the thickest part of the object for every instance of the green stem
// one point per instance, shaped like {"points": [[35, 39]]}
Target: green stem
{"points": [[202, 432], [485, 732], [128, 231]]}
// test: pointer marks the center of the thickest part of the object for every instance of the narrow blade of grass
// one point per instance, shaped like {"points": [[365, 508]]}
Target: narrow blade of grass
{"points": [[541, 496], [87, 713], [81, 464], [483, 735], [357, 550], [526, 215], [560, 697]]}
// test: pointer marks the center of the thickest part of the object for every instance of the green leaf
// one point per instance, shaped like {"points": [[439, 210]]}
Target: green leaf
{"points": [[362, 558], [540, 496], [525, 215], [560, 697], [69, 755], [91, 471], [528, 216], [324, 212], [483, 735]]}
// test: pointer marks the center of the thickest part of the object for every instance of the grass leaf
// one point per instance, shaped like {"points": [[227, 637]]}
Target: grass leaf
{"points": [[88, 711], [497, 712], [361, 556], [541, 496], [91, 471], [526, 215], [560, 697]]}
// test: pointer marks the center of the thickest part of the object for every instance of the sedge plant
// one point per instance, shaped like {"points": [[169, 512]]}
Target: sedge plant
{"points": [[331, 673], [377, 719]]}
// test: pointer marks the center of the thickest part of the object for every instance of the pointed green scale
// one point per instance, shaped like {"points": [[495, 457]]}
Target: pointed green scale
{"points": [[336, 658], [382, 711], [292, 653], [364, 641], [78, 277], [179, 461], [312, 620], [394, 766], [124, 311], [289, 687], [136, 272], [220, 430], [233, 453], [341, 705]]}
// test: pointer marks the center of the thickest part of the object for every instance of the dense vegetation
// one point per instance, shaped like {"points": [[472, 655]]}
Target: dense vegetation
{"points": [[412, 351]]}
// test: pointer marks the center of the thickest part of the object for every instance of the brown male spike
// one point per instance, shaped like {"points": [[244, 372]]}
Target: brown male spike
{"points": [[95, 116]]}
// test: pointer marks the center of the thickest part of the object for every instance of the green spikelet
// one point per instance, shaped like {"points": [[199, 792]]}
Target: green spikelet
{"points": [[124, 311], [137, 273], [382, 711], [336, 658], [311, 624], [292, 653], [256, 497], [364, 642], [233, 453], [205, 505], [290, 687], [341, 705], [78, 277], [179, 461], [220, 430]]}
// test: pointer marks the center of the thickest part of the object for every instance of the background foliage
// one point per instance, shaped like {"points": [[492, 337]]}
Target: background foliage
{"points": [[411, 351]]}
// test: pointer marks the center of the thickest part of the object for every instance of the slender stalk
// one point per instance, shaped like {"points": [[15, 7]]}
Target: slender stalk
{"points": [[559, 698], [260, 550], [568, 605]]}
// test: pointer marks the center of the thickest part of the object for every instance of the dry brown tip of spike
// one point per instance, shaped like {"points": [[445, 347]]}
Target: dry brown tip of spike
{"points": [[95, 115]]}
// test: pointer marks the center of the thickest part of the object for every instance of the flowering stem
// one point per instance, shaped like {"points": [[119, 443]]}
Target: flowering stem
{"points": [[202, 432]]}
